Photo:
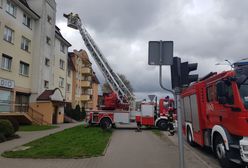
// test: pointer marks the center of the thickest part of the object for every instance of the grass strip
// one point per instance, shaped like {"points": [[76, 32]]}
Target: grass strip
{"points": [[36, 127], [77, 142]]}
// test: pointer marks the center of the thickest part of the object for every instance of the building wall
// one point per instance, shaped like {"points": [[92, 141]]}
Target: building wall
{"points": [[95, 96], [22, 83], [43, 47], [82, 82], [60, 72]]}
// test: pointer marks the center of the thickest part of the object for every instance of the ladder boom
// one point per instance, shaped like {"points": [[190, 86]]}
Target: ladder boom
{"points": [[113, 79]]}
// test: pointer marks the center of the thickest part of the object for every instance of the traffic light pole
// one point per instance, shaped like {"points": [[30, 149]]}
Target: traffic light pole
{"points": [[176, 95], [180, 132]]}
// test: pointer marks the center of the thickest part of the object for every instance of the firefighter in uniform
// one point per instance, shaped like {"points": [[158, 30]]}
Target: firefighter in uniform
{"points": [[170, 116], [171, 122]]}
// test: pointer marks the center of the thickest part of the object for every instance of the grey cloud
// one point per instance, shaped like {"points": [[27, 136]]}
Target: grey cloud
{"points": [[206, 32]]}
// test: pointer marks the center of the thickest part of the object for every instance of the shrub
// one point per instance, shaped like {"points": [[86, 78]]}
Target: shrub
{"points": [[6, 128], [2, 138], [83, 113], [14, 123]]}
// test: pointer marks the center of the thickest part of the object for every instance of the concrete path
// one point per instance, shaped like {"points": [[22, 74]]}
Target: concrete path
{"points": [[127, 149]]}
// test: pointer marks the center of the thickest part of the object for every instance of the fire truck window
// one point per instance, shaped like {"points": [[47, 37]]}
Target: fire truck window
{"points": [[229, 94], [210, 96], [243, 91]]}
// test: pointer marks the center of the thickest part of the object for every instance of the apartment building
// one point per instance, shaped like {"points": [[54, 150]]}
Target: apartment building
{"points": [[17, 24], [33, 63], [83, 81]]}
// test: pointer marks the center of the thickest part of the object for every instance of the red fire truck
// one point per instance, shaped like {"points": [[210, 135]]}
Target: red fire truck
{"points": [[147, 116], [215, 114]]}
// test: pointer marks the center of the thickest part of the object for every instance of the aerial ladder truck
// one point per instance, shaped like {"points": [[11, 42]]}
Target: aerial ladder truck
{"points": [[119, 105]]}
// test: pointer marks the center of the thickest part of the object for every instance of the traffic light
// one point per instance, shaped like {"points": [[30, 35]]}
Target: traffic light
{"points": [[186, 78], [176, 72]]}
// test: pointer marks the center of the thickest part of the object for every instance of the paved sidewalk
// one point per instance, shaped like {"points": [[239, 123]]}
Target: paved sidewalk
{"points": [[26, 137], [127, 149]]}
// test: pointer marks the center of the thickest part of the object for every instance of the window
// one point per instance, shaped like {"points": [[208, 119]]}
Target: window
{"points": [[49, 19], [46, 84], [68, 86], [6, 62], [48, 40], [27, 21], [47, 62], [69, 73], [11, 8], [25, 44], [24, 68], [210, 94], [21, 102], [8, 34], [62, 47], [61, 64], [5, 101], [61, 82]]}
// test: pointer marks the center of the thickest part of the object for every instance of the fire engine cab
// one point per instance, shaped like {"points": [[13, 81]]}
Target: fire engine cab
{"points": [[215, 114]]}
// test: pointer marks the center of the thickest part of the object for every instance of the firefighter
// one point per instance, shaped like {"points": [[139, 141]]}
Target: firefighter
{"points": [[170, 116]]}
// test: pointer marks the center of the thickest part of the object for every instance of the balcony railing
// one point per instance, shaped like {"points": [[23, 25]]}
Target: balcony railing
{"points": [[85, 97], [86, 71], [85, 84]]}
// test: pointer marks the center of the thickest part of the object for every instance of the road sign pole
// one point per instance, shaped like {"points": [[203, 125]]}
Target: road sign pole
{"points": [[180, 132]]}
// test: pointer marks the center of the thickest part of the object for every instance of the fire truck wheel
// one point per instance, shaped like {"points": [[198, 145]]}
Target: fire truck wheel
{"points": [[221, 152], [162, 125], [105, 123], [190, 137]]}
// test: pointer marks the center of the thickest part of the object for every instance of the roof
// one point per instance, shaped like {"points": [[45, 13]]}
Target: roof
{"points": [[59, 35], [51, 95], [24, 2]]}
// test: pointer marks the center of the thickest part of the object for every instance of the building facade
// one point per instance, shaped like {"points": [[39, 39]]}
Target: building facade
{"points": [[33, 59], [84, 85], [17, 24]]}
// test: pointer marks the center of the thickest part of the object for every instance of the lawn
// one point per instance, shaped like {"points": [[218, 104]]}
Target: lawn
{"points": [[36, 127], [77, 142]]}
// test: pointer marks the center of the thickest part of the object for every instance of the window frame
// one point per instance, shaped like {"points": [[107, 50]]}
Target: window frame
{"points": [[10, 5], [61, 82], [22, 68], [25, 44], [68, 87], [46, 84], [62, 47], [25, 20], [48, 40], [47, 62], [3, 63], [6, 34], [61, 64]]}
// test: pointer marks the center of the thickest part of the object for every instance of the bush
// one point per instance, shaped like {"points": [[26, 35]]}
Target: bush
{"points": [[2, 138], [83, 113], [6, 128], [14, 123]]}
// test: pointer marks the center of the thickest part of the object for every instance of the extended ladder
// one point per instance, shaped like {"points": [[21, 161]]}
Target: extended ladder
{"points": [[113, 79]]}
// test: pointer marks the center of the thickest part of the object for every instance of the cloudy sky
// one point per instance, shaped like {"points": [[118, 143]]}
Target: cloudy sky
{"points": [[206, 32]]}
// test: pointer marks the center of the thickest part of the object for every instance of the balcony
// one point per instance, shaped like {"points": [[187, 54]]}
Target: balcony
{"points": [[86, 71], [85, 84], [85, 97]]}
